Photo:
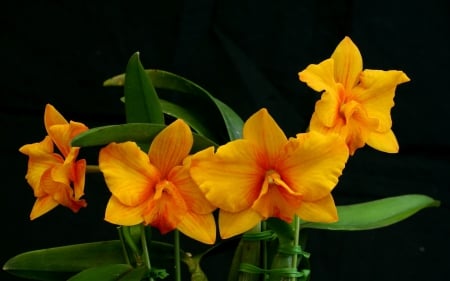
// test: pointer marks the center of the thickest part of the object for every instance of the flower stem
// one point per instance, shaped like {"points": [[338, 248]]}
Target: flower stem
{"points": [[296, 240], [145, 253], [177, 255]]}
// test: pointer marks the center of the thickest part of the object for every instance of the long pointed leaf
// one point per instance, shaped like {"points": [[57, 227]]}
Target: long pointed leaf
{"points": [[142, 102], [138, 132], [170, 81], [377, 213], [61, 262]]}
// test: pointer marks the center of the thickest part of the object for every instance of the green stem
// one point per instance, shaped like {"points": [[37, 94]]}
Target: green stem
{"points": [[177, 255], [145, 252], [296, 242]]}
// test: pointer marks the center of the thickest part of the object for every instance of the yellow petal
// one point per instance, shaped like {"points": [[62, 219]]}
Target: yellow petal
{"points": [[189, 190], [53, 117], [62, 135], [61, 192], [264, 132], [171, 146], [327, 109], [42, 205], [376, 94], [128, 173], [232, 224], [314, 167], [41, 158], [386, 142], [199, 227], [120, 214], [79, 175], [347, 63], [232, 179], [322, 210], [319, 77]]}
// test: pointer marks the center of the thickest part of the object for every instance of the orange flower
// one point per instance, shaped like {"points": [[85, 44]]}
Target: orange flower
{"points": [[355, 104], [266, 175], [156, 188], [56, 178]]}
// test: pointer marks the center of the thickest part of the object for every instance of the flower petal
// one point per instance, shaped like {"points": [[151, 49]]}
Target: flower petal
{"points": [[199, 227], [321, 210], [166, 209], [128, 173], [232, 179], [319, 77], [386, 142], [41, 158], [376, 93], [171, 146], [347, 63], [189, 190], [42, 205], [262, 130], [232, 224], [53, 117], [314, 166], [120, 214]]}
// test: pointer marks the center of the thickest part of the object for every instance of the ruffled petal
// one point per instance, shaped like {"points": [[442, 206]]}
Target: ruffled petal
{"points": [[232, 224], [386, 142], [166, 209], [279, 201], [376, 94], [41, 158], [199, 227], [262, 130], [327, 109], [347, 63], [42, 205], [322, 210], [61, 192], [120, 214], [314, 166], [232, 179], [171, 146], [319, 77], [128, 173]]}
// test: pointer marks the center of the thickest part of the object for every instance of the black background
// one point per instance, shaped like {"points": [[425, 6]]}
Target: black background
{"points": [[248, 54]]}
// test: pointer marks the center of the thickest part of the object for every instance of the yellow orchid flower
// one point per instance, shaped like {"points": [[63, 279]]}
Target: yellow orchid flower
{"points": [[267, 175], [156, 188], [56, 178], [356, 103]]}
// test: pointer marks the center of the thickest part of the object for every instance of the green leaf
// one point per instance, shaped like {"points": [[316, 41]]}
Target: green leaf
{"points": [[110, 272], [377, 213], [193, 118], [142, 102], [61, 262], [199, 101], [137, 132]]}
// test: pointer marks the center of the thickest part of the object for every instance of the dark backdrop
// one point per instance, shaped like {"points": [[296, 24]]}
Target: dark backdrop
{"points": [[248, 54]]}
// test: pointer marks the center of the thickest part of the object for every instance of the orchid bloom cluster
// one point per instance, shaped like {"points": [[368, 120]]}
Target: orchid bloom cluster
{"points": [[262, 175]]}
